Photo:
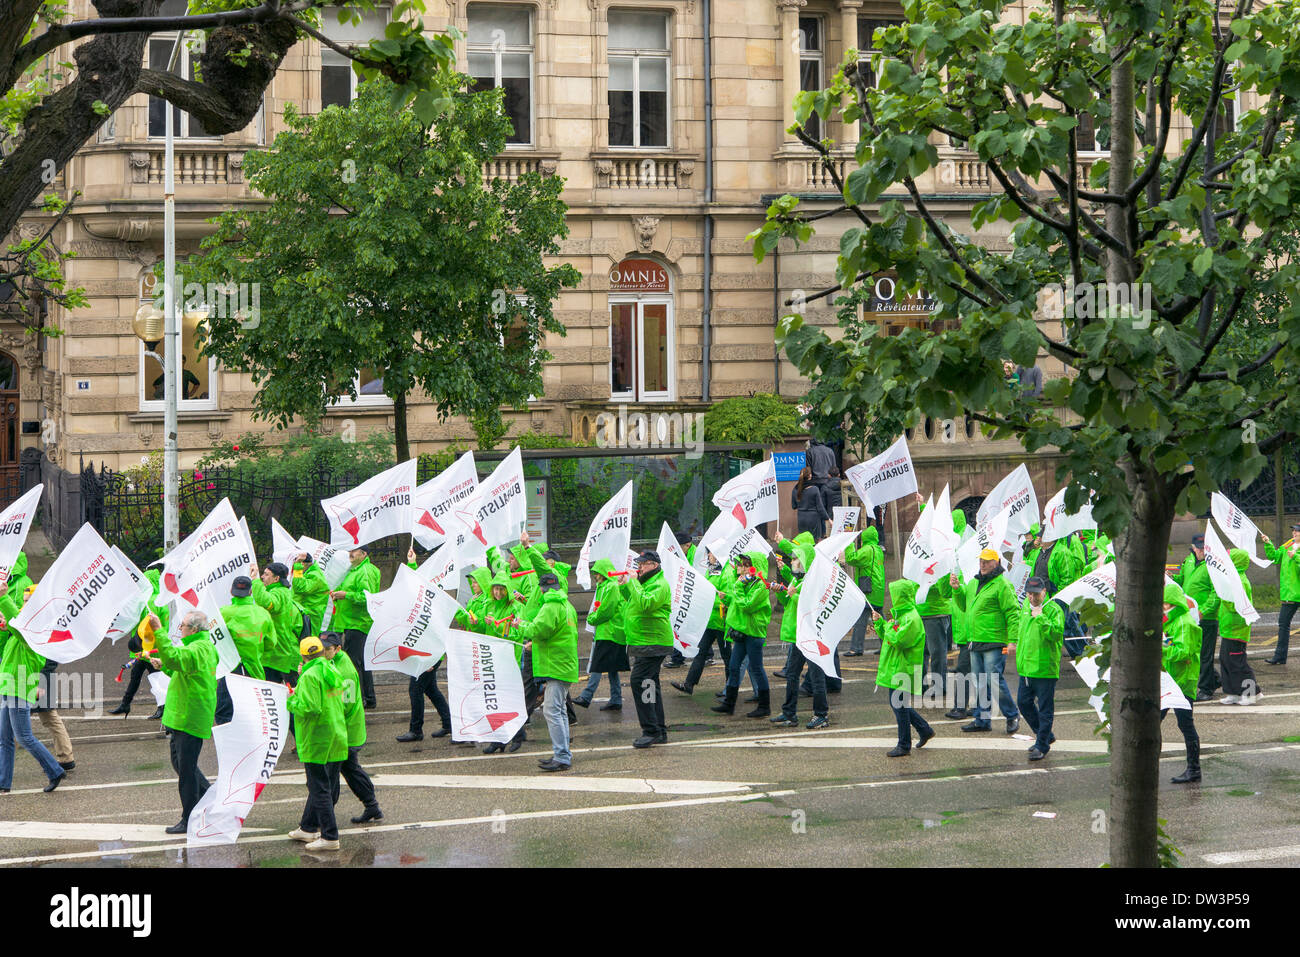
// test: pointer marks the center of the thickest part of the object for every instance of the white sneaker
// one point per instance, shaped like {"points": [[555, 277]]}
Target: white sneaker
{"points": [[298, 834], [1230, 699], [322, 845], [1250, 699]]}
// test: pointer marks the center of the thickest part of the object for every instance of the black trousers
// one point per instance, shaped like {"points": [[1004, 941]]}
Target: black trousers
{"points": [[190, 781], [322, 793], [139, 668], [934, 659], [358, 780], [1209, 679], [1238, 676], [961, 686], [1191, 740], [427, 684], [710, 637], [646, 694], [354, 643], [1284, 616], [794, 666]]}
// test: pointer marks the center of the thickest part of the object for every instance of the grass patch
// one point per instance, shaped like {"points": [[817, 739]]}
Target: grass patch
{"points": [[1241, 793], [150, 766], [1292, 738]]}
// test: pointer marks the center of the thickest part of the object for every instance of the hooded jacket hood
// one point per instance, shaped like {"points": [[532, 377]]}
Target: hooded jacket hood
{"points": [[902, 596], [1035, 530], [603, 567], [483, 578], [760, 561], [20, 566], [871, 536], [1239, 559], [804, 538], [1174, 596], [958, 521]]}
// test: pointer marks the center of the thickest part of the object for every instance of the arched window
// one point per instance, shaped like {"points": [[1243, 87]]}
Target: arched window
{"points": [[642, 355]]}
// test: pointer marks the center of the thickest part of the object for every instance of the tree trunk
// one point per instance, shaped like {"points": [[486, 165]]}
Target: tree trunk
{"points": [[399, 428], [1135, 642]]}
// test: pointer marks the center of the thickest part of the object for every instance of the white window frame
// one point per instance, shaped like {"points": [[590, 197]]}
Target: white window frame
{"points": [[380, 401], [330, 18], [638, 345], [667, 56], [181, 128], [817, 56], [482, 49], [182, 404]]}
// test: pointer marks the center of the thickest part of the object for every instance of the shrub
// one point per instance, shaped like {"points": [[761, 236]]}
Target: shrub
{"points": [[761, 419]]}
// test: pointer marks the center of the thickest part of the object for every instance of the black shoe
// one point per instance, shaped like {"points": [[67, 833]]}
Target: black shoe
{"points": [[674, 664], [441, 733], [611, 706], [764, 705], [410, 736], [370, 814], [1036, 755], [179, 827], [1013, 725], [551, 765], [1203, 696], [976, 726], [956, 714], [897, 752], [1189, 776], [852, 654], [779, 674], [56, 782], [830, 690], [728, 703], [1051, 739], [516, 744], [752, 699], [819, 721], [785, 721], [925, 738], [122, 709], [493, 747], [157, 715], [69, 766], [684, 689], [647, 740], [720, 694], [582, 701], [1274, 661]]}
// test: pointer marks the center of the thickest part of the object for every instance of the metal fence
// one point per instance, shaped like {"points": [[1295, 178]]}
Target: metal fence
{"points": [[566, 487]]}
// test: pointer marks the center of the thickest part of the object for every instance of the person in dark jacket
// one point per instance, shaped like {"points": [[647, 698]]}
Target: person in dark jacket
{"points": [[806, 499]]}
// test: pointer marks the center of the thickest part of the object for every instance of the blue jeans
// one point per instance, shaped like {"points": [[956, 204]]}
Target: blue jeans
{"points": [[984, 665], [1037, 700], [16, 726], [615, 688], [554, 696], [743, 646]]}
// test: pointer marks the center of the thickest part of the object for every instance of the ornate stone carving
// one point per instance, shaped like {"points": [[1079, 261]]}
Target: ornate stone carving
{"points": [[684, 170], [139, 163], [214, 430], [604, 169], [547, 166], [646, 227], [30, 231], [134, 230], [146, 434], [108, 249], [235, 168]]}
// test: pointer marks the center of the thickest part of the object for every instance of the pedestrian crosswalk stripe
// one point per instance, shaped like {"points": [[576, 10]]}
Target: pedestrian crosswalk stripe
{"points": [[83, 831], [564, 782], [1249, 857], [965, 743]]}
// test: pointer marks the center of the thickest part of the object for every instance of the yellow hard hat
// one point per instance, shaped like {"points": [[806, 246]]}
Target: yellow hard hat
{"points": [[27, 592], [989, 555], [310, 646]]}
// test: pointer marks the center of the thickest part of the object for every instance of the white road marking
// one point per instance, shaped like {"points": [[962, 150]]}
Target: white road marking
{"points": [[1236, 709], [59, 831], [1004, 743], [1247, 857], [565, 782]]}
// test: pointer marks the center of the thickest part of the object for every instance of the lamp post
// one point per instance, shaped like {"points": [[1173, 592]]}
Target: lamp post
{"points": [[147, 326]]}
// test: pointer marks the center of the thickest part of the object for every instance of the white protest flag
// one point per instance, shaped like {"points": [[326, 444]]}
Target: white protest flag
{"points": [[485, 688], [410, 619], [284, 547], [1241, 531], [128, 617], [928, 555], [943, 536], [15, 522], [717, 538], [499, 508], [435, 499], [751, 496], [748, 541], [158, 682], [333, 562], [1223, 576], [693, 595], [1057, 523], [1098, 586], [832, 547], [214, 555], [1019, 574], [1015, 492], [609, 536], [375, 509], [886, 477], [78, 600], [439, 569], [1171, 696], [248, 747], [844, 518], [227, 651], [829, 605], [989, 535]]}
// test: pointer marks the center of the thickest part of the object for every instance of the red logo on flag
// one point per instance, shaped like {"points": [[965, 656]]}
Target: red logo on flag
{"points": [[739, 512], [427, 520], [822, 649], [404, 652], [352, 526], [496, 720], [58, 635]]}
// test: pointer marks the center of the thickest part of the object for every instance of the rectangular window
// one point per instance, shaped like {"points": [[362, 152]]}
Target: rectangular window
{"points": [[811, 63], [196, 375], [638, 79], [501, 56], [867, 27], [338, 81], [622, 335], [641, 349], [184, 126]]}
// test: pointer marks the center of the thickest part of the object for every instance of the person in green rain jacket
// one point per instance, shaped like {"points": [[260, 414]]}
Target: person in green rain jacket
{"points": [[749, 611], [498, 615], [552, 637], [647, 607], [902, 645], [868, 564], [794, 666], [1181, 658], [18, 580], [354, 717], [714, 640], [936, 616], [191, 705], [992, 620], [609, 643], [1287, 557], [1038, 663], [1194, 579], [20, 676], [316, 702], [310, 590], [1239, 684], [280, 652], [140, 663], [352, 616], [251, 628]]}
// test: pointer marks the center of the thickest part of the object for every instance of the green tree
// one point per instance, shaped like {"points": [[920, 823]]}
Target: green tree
{"points": [[1164, 414], [61, 79], [382, 247]]}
